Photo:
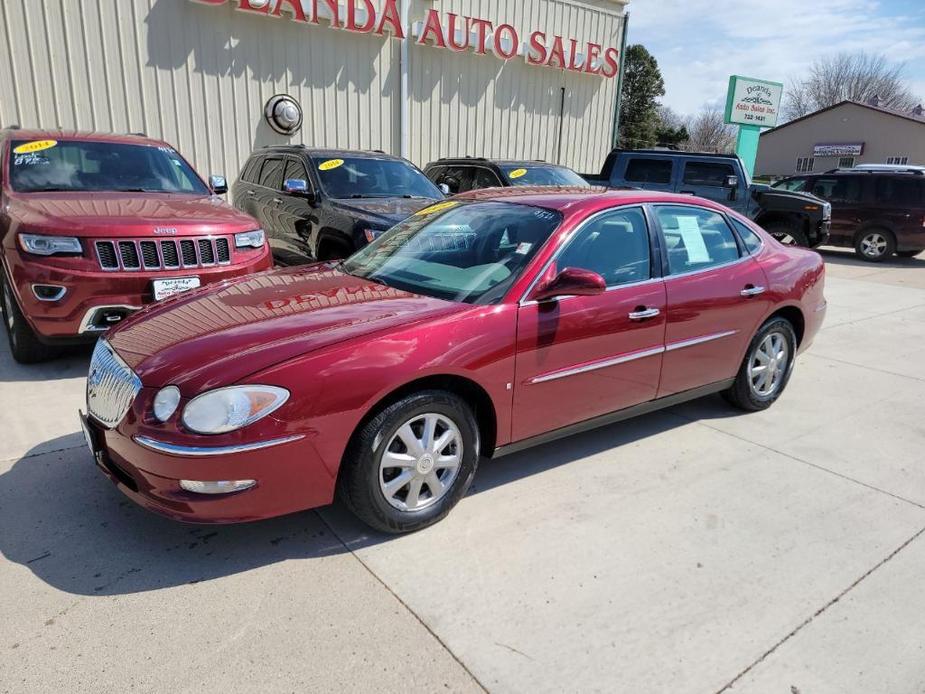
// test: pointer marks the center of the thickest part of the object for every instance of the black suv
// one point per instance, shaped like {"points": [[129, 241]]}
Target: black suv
{"points": [[469, 173], [326, 204], [877, 211]]}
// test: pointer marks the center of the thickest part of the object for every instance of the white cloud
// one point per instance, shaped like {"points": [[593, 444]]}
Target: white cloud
{"points": [[699, 44]]}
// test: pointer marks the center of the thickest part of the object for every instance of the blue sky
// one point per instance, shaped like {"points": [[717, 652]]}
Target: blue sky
{"points": [[699, 43]]}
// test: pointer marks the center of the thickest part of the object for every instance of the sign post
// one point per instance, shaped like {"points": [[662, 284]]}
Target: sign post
{"points": [[752, 104]]}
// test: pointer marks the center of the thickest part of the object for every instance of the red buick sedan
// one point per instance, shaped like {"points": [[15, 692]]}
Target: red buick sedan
{"points": [[477, 327]]}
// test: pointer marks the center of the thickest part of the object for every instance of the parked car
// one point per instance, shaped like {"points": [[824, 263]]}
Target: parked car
{"points": [[477, 327], [877, 211], [93, 227], [792, 218], [325, 204], [461, 175]]}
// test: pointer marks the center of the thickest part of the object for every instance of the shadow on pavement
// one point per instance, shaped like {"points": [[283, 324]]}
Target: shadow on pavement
{"points": [[847, 257], [73, 362], [67, 523]]}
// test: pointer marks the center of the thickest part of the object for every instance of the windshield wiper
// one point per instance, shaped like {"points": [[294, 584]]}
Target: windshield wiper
{"points": [[137, 190], [357, 196]]}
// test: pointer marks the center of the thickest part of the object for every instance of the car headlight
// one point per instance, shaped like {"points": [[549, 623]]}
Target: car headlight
{"points": [[228, 409], [166, 402], [250, 239], [49, 245]]}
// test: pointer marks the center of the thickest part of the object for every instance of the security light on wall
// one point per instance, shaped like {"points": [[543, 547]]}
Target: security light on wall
{"points": [[283, 114]]}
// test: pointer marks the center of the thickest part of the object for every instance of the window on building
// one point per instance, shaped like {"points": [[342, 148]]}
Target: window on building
{"points": [[702, 173], [696, 239], [805, 164], [897, 161], [846, 163], [640, 170]]}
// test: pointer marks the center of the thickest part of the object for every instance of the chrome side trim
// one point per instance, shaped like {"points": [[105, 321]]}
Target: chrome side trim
{"points": [[594, 366], [699, 340], [208, 451], [87, 320]]}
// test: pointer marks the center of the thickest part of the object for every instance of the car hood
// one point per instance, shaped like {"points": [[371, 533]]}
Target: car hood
{"points": [[115, 215], [218, 335], [387, 211]]}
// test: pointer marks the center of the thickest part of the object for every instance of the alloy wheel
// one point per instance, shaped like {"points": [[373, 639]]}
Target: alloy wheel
{"points": [[874, 244], [768, 364], [421, 461]]}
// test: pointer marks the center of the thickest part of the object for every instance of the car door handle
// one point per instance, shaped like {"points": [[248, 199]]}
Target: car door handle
{"points": [[751, 290], [644, 313]]}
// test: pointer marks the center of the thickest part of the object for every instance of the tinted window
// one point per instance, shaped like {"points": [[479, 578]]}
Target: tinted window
{"points": [[295, 169], [251, 170], [751, 239], [615, 245], [649, 170], [542, 175], [86, 165], [435, 173], [271, 174], [458, 178], [703, 173], [470, 252], [368, 177], [484, 178], [695, 238], [837, 188], [792, 184], [900, 191]]}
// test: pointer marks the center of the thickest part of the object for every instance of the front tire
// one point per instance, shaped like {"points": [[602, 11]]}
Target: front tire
{"points": [[24, 343], [766, 369], [874, 245], [410, 465]]}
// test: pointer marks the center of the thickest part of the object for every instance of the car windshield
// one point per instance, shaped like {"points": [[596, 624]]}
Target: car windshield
{"points": [[542, 175], [468, 252], [366, 177], [790, 184], [86, 165]]}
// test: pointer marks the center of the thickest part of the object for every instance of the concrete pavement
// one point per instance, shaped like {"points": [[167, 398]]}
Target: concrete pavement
{"points": [[693, 550]]}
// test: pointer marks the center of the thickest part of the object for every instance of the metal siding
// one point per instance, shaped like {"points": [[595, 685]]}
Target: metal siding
{"points": [[199, 76]]}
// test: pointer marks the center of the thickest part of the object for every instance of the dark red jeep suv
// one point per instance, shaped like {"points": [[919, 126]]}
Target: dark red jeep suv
{"points": [[94, 227]]}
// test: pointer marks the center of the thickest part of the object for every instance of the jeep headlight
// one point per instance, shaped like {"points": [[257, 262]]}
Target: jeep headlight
{"points": [[49, 245], [250, 239], [227, 409]]}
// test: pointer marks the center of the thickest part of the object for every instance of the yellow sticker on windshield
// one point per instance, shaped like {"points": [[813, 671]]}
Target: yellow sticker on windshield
{"points": [[433, 209], [517, 173], [330, 164], [35, 146]]}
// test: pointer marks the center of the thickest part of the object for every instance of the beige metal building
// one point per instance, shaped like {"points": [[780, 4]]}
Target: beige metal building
{"points": [[844, 135], [533, 78]]}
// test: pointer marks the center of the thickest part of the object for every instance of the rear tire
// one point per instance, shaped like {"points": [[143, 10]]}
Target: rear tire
{"points": [[24, 343], [787, 234], [766, 369], [410, 465], [874, 245]]}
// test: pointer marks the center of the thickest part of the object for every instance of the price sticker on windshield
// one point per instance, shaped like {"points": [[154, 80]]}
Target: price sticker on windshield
{"points": [[35, 146], [330, 164], [434, 209], [517, 173]]}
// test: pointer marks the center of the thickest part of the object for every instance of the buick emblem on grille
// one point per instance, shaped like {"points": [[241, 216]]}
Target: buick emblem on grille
{"points": [[93, 382], [165, 231]]}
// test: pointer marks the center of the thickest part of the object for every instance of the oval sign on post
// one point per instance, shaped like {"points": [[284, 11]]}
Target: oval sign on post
{"points": [[330, 164], [36, 146], [517, 173]]}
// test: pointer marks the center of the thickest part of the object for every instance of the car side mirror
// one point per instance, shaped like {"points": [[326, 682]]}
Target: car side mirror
{"points": [[298, 186], [571, 281], [445, 189], [218, 184]]}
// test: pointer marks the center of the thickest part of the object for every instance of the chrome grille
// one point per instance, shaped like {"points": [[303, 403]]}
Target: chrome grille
{"points": [[163, 254], [111, 386]]}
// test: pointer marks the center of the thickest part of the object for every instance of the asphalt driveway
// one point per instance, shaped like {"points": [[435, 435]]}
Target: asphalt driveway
{"points": [[693, 550]]}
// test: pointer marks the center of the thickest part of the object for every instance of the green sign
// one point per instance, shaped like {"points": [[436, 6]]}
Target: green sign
{"points": [[753, 102]]}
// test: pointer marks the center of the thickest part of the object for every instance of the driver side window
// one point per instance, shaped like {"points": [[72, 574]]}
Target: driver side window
{"points": [[615, 245]]}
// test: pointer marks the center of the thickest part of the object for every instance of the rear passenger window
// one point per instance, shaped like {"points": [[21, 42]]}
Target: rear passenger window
{"points": [[703, 173], [615, 245], [838, 189], [900, 191], [695, 239], [251, 169], [648, 170], [751, 240], [271, 174]]}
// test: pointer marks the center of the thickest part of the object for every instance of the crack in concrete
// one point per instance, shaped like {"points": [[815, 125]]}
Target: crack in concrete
{"points": [[54, 450]]}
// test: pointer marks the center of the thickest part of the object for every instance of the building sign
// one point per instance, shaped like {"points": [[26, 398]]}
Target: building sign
{"points": [[839, 149], [447, 31], [753, 102]]}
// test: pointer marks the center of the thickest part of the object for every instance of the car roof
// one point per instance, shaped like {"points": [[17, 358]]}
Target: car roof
{"points": [[497, 162], [568, 198], [322, 153], [32, 134]]}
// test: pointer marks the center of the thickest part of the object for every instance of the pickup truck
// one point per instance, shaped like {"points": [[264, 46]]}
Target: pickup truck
{"points": [[798, 219]]}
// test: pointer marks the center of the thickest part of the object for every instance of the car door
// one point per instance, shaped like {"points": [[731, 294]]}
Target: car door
{"points": [[648, 172], [583, 356], [296, 216], [244, 189], [709, 179], [845, 193], [267, 198], [716, 296], [897, 206]]}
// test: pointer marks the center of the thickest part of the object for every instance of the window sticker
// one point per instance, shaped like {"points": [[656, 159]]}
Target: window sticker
{"points": [[690, 232], [35, 146], [31, 159], [523, 248], [517, 173], [330, 164], [433, 209]]}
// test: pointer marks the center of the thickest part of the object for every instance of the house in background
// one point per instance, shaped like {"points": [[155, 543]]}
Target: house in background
{"points": [[844, 135]]}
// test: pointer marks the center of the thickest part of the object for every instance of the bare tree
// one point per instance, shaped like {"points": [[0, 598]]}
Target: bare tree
{"points": [[855, 76], [709, 132]]}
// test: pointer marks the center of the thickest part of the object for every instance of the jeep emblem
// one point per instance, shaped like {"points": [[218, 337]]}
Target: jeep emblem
{"points": [[165, 231]]}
